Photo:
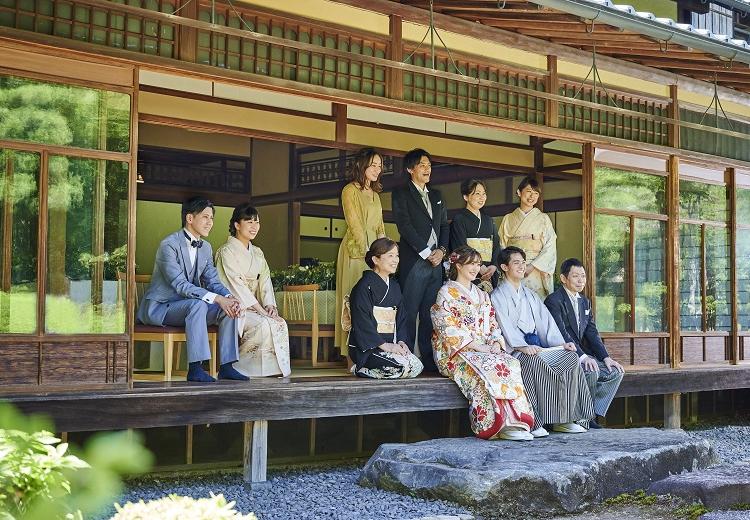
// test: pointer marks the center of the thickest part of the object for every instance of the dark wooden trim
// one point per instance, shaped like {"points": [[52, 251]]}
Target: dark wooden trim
{"points": [[560, 168], [552, 108], [130, 294], [41, 280], [731, 179], [53, 149], [395, 49], [673, 129], [339, 116], [188, 37], [295, 209], [441, 135], [235, 103], [214, 128], [673, 260], [631, 287], [587, 196]]}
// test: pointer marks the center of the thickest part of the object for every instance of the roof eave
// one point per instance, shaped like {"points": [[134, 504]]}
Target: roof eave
{"points": [[651, 28]]}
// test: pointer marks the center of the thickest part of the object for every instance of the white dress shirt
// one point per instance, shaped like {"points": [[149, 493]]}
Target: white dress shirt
{"points": [[209, 297]]}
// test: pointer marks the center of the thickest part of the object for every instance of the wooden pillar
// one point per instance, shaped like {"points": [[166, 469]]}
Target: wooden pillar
{"points": [[396, 53], [538, 168], [339, 116], [255, 453], [130, 294], [734, 340], [672, 411], [552, 107], [7, 231], [673, 260], [673, 112], [295, 209], [189, 444], [587, 191], [187, 45]]}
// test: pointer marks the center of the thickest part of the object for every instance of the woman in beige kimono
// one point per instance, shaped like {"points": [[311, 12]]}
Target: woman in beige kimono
{"points": [[364, 224], [264, 337], [531, 230]]}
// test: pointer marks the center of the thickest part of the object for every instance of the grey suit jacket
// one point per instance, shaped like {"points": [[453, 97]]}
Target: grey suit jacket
{"points": [[174, 278]]}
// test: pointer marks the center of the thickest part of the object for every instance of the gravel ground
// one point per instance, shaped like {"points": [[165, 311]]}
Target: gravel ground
{"points": [[330, 493], [729, 441]]}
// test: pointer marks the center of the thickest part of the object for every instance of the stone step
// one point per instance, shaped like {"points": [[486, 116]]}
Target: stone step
{"points": [[558, 474], [719, 487]]}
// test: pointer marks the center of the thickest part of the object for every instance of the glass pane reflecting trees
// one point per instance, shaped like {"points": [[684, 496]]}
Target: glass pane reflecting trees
{"points": [[19, 201], [64, 115], [613, 308], [650, 275], [87, 245]]}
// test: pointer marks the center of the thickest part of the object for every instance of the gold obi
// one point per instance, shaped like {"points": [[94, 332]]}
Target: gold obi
{"points": [[483, 246], [531, 245], [386, 319]]}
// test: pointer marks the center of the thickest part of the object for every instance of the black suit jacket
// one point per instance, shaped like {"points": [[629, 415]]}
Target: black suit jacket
{"points": [[414, 224], [587, 341]]}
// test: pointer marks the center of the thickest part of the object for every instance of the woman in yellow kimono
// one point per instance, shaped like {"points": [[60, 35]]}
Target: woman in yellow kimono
{"points": [[531, 230], [264, 337], [469, 349], [364, 224]]}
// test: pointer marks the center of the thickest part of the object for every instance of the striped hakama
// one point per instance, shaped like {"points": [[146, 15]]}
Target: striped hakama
{"points": [[603, 387], [556, 387]]}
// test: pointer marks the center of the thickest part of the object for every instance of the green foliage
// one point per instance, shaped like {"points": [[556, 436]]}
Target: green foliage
{"points": [[637, 497], [630, 191], [692, 511], [41, 480], [174, 507], [323, 274]]}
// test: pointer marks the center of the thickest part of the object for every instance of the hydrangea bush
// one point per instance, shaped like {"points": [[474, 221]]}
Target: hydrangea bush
{"points": [[174, 507]]}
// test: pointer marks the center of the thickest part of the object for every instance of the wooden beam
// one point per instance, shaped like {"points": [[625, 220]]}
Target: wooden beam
{"points": [[339, 115], [673, 112], [672, 411], [589, 244], [552, 108], [734, 340], [255, 453], [188, 37], [396, 51], [295, 210], [673, 260]]}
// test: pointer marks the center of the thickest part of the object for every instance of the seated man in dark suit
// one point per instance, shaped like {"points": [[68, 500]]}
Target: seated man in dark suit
{"points": [[572, 312]]}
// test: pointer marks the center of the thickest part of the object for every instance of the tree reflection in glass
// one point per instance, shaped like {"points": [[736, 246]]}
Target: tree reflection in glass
{"points": [[612, 278]]}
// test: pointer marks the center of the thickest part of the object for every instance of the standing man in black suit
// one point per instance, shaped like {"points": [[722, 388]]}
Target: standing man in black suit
{"points": [[572, 312], [422, 221]]}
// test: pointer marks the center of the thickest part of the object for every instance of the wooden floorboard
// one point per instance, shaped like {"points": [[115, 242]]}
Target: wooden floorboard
{"points": [[156, 404]]}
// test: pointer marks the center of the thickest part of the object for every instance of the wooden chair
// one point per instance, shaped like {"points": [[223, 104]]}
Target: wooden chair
{"points": [[300, 323], [171, 337]]}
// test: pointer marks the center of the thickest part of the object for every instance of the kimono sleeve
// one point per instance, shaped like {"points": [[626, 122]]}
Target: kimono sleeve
{"points": [[451, 333], [231, 273], [547, 257], [458, 233], [363, 321]]}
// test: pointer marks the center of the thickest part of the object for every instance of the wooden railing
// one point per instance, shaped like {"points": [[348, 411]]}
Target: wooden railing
{"points": [[355, 61]]}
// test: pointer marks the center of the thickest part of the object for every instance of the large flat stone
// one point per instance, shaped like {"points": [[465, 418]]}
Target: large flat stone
{"points": [[719, 487], [559, 474]]}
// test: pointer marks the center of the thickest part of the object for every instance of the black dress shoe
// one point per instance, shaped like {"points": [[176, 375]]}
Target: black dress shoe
{"points": [[593, 425]]}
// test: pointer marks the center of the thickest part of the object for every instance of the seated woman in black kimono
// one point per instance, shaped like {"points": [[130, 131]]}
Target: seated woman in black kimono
{"points": [[473, 227], [376, 340]]}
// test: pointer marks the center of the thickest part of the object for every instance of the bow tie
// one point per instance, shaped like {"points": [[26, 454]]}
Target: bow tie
{"points": [[193, 243]]}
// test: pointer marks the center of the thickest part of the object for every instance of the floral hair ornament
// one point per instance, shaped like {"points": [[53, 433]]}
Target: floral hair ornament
{"points": [[453, 258]]}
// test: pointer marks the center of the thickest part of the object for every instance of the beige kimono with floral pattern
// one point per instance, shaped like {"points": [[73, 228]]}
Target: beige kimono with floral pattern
{"points": [[491, 382], [264, 341]]}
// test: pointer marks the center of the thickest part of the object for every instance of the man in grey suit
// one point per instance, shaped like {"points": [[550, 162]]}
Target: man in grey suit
{"points": [[185, 292], [573, 314]]}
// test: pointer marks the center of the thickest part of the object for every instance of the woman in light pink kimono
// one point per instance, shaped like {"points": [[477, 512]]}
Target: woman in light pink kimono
{"points": [[242, 267], [531, 230]]}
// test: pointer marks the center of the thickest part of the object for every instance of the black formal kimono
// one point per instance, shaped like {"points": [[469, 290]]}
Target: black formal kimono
{"points": [[377, 318], [481, 234]]}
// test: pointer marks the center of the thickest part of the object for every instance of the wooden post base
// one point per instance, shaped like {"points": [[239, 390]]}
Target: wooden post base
{"points": [[672, 411], [255, 453]]}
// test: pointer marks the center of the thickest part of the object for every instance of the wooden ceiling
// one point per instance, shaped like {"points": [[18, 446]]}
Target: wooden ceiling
{"points": [[530, 19]]}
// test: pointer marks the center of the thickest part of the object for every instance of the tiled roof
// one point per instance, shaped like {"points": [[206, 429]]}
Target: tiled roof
{"points": [[670, 23]]}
